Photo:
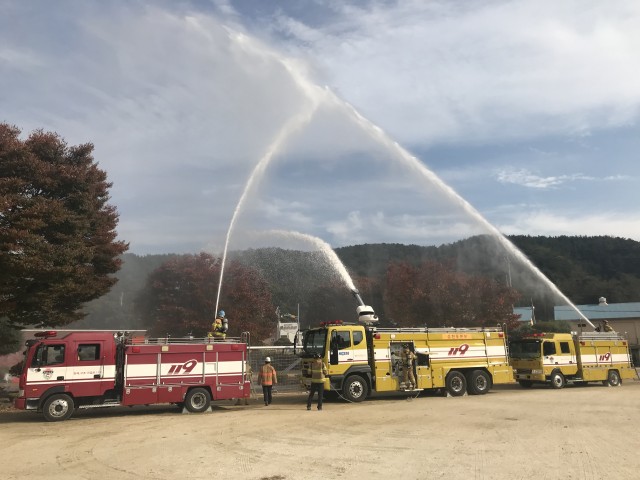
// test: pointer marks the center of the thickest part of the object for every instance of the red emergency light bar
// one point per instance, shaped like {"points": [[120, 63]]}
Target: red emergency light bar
{"points": [[331, 322], [46, 334], [537, 335]]}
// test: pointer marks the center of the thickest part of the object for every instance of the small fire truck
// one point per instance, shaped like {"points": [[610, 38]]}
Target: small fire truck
{"points": [[362, 359], [558, 358], [64, 371]]}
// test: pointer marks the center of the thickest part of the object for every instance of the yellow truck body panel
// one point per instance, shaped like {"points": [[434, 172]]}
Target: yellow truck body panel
{"points": [[455, 359], [556, 358]]}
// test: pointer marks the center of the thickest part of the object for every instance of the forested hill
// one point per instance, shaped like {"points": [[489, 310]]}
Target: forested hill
{"points": [[584, 269]]}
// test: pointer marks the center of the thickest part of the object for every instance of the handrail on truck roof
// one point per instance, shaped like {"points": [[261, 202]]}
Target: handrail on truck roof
{"points": [[440, 329], [601, 336], [179, 340]]}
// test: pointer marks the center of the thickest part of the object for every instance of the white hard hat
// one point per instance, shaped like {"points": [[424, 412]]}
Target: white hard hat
{"points": [[267, 359]]}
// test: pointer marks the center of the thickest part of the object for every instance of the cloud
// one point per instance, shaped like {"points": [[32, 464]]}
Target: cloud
{"points": [[182, 99], [525, 178], [460, 71], [573, 223], [432, 229]]}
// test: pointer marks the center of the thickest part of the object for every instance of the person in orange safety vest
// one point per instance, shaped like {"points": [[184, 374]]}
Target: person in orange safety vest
{"points": [[267, 377]]}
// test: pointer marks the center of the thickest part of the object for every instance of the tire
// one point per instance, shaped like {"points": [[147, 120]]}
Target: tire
{"points": [[613, 378], [525, 383], [197, 400], [456, 384], [478, 382], [58, 407], [355, 388], [557, 380]]}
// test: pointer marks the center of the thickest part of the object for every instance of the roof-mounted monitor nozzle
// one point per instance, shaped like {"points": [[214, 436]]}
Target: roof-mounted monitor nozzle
{"points": [[356, 294], [366, 314]]}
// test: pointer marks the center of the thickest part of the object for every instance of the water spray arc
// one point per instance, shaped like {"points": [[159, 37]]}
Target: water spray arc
{"points": [[365, 313], [414, 164], [289, 128], [324, 248], [313, 94], [317, 95]]}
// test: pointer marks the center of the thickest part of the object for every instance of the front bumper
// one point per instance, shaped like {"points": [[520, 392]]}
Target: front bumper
{"points": [[23, 403], [533, 375]]}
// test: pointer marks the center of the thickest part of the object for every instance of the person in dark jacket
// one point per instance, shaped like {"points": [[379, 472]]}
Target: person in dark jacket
{"points": [[318, 373]]}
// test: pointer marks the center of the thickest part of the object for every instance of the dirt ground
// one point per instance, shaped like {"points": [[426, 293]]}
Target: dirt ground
{"points": [[580, 432]]}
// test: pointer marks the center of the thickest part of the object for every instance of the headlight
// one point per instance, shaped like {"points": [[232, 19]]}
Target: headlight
{"points": [[21, 393]]}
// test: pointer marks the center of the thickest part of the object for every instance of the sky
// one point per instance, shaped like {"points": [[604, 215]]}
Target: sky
{"points": [[353, 121]]}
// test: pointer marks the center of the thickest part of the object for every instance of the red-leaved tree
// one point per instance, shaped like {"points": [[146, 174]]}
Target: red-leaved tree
{"points": [[435, 295], [180, 298]]}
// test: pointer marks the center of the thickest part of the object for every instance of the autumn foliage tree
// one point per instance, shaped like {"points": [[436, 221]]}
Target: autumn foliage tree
{"points": [[180, 298], [57, 231], [433, 294]]}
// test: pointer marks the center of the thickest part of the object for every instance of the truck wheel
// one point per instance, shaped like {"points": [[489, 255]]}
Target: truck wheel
{"points": [[557, 380], [525, 383], [197, 400], [57, 407], [478, 382], [355, 388], [456, 384], [613, 378]]}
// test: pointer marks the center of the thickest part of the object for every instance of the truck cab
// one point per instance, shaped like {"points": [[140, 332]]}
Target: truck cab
{"points": [[539, 357], [344, 350], [76, 365]]}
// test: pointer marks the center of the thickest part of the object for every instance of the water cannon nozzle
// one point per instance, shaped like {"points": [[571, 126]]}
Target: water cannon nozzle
{"points": [[366, 315], [356, 294]]}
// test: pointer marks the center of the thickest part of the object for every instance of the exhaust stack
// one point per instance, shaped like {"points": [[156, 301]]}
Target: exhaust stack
{"points": [[366, 314]]}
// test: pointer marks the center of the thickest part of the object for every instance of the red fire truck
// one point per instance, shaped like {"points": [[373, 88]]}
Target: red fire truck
{"points": [[64, 371]]}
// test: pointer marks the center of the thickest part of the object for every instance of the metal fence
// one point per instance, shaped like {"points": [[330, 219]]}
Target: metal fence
{"points": [[287, 367]]}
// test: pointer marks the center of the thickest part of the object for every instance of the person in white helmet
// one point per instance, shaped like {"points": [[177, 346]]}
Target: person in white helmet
{"points": [[267, 377]]}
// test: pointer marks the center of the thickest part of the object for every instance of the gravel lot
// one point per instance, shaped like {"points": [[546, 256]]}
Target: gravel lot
{"points": [[580, 432]]}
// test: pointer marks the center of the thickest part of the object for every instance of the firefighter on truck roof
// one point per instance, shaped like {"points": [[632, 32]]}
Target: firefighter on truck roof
{"points": [[219, 326]]}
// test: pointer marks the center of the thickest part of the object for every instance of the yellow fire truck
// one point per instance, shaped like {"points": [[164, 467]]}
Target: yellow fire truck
{"points": [[363, 359], [556, 358]]}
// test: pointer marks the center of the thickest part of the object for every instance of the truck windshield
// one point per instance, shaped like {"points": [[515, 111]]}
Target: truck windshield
{"points": [[48, 355], [314, 341], [525, 349]]}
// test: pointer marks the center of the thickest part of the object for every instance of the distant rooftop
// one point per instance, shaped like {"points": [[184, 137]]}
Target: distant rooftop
{"points": [[524, 312], [599, 311]]}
